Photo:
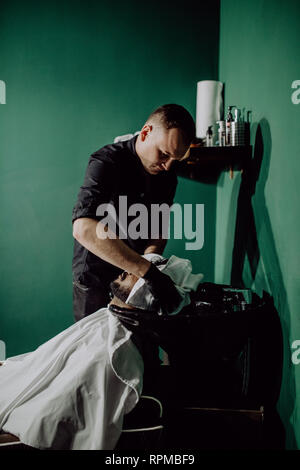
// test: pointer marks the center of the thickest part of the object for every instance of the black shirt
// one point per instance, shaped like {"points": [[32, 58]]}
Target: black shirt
{"points": [[116, 170]]}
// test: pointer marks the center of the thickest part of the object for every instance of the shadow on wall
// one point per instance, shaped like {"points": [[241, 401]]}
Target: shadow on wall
{"points": [[245, 238], [255, 264]]}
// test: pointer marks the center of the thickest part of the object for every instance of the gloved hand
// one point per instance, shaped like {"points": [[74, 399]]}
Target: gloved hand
{"points": [[163, 289]]}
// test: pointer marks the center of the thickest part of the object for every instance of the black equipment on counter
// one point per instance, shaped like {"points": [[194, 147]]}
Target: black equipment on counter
{"points": [[224, 347]]}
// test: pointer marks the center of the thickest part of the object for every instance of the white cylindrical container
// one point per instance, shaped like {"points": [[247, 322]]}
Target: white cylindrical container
{"points": [[237, 131], [209, 106]]}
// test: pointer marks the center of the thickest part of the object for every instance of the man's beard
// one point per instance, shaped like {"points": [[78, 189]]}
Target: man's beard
{"points": [[119, 291]]}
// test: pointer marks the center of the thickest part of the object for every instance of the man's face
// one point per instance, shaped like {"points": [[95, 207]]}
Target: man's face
{"points": [[158, 147], [121, 287]]}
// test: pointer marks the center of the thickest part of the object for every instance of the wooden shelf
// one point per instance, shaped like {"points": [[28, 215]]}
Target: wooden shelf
{"points": [[205, 164]]}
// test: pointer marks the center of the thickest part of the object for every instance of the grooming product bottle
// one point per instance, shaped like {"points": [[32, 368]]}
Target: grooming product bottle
{"points": [[222, 133], [247, 128], [237, 129], [209, 137], [237, 115], [229, 119]]}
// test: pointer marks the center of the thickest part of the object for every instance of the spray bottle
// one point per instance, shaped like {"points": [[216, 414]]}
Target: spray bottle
{"points": [[209, 137], [229, 119]]}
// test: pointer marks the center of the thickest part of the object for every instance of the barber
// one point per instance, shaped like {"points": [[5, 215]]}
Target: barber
{"points": [[140, 169]]}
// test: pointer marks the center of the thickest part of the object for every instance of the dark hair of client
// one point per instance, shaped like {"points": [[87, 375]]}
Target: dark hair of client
{"points": [[159, 262], [176, 116], [121, 292]]}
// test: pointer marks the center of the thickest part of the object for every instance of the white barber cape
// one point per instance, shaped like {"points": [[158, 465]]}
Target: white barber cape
{"points": [[73, 391]]}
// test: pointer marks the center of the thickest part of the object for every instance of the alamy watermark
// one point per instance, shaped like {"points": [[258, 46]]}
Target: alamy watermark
{"points": [[296, 353], [183, 216], [2, 92], [296, 94]]}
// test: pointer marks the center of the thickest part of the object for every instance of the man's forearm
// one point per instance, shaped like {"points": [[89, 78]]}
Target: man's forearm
{"points": [[90, 234]]}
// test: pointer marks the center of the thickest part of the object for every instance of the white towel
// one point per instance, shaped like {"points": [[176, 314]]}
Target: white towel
{"points": [[179, 270]]}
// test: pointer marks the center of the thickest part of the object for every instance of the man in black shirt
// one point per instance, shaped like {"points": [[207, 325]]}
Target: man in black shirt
{"points": [[139, 170]]}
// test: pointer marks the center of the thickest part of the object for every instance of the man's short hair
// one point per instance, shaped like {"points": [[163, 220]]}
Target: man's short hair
{"points": [[176, 116]]}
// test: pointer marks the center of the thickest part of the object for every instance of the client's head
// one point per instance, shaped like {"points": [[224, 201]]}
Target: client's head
{"points": [[121, 288], [123, 284]]}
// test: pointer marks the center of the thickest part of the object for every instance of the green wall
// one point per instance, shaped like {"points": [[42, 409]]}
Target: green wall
{"points": [[77, 75], [80, 73], [259, 60]]}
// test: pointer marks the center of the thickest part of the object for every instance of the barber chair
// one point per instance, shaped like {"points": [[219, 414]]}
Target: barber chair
{"points": [[225, 354]]}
